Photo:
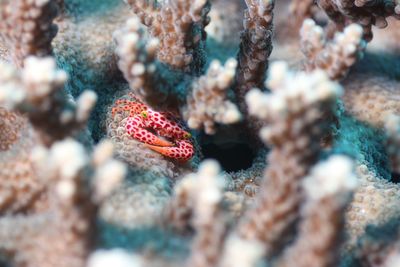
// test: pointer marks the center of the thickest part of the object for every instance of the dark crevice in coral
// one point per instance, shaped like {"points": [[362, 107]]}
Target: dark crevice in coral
{"points": [[232, 146], [395, 177], [232, 156]]}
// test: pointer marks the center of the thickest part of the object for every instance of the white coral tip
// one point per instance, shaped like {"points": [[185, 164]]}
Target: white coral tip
{"points": [[115, 258], [85, 104], [276, 75], [331, 177]]}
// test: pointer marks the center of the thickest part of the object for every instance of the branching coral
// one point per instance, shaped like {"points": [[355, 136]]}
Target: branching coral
{"points": [[255, 48], [136, 61], [61, 199], [208, 104], [301, 10], [37, 91], [61, 233], [335, 57], [20, 187], [178, 24], [225, 21], [27, 27], [364, 12], [329, 187], [208, 243], [298, 113]]}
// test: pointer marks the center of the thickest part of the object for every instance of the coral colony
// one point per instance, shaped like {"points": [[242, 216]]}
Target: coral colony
{"points": [[200, 133]]}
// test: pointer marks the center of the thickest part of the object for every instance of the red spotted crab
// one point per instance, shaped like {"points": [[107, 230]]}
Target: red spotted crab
{"points": [[160, 131]]}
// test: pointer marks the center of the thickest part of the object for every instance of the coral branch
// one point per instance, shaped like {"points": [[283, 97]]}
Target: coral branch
{"points": [[137, 62], [37, 90], [27, 27], [301, 10], [20, 187], [208, 103], [207, 244], [298, 111], [336, 56], [179, 25], [329, 189], [62, 233], [255, 48], [363, 12], [179, 211]]}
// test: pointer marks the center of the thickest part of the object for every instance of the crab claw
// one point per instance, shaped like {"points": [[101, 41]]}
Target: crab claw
{"points": [[134, 128], [182, 151], [165, 125]]}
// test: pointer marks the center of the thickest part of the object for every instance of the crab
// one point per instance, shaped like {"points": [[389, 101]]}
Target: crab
{"points": [[159, 131]]}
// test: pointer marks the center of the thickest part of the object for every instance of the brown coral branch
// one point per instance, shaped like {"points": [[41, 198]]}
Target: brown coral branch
{"points": [[20, 187], [255, 48], [301, 10], [27, 27], [298, 113], [321, 232], [61, 233], [137, 62], [208, 241], [179, 210], [37, 90], [179, 25], [336, 56], [208, 102], [363, 12]]}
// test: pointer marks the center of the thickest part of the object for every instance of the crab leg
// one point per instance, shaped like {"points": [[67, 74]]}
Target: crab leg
{"points": [[127, 105], [135, 128], [182, 151]]}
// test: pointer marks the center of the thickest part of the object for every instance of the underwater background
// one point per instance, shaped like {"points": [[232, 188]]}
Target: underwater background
{"points": [[201, 133]]}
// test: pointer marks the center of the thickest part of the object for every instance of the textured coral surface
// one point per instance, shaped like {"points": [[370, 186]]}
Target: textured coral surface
{"points": [[278, 144]]}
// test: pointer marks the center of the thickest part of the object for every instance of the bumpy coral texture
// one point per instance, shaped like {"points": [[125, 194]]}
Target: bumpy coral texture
{"points": [[21, 186], [372, 100], [35, 31], [375, 203], [63, 201]]}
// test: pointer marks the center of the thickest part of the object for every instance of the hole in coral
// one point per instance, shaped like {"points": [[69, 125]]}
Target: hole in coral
{"points": [[395, 177], [232, 156], [4, 262]]}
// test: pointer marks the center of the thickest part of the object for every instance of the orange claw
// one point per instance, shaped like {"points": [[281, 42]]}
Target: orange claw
{"points": [[182, 151], [134, 127], [162, 143]]}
